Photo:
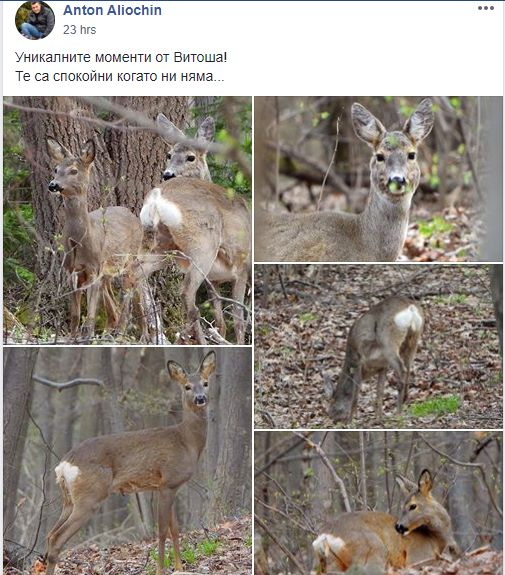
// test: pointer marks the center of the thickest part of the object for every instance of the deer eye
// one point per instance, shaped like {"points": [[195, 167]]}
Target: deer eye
{"points": [[205, 384], [412, 507], [188, 387], [74, 171], [169, 156], [191, 158], [412, 156], [380, 157]]}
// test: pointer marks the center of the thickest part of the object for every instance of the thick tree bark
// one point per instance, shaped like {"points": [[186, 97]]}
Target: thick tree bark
{"points": [[497, 295], [18, 387]]}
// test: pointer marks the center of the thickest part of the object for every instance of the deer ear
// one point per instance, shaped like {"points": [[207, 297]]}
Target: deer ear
{"points": [[88, 153], [366, 126], [425, 482], [406, 486], [419, 125], [208, 365], [168, 128], [176, 372], [206, 130], [57, 152]]}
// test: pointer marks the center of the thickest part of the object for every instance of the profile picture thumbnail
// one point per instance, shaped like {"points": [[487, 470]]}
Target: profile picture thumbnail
{"points": [[34, 20]]}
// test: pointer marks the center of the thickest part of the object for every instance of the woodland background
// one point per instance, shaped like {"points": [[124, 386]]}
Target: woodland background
{"points": [[129, 162], [303, 314], [43, 419], [301, 142], [300, 489]]}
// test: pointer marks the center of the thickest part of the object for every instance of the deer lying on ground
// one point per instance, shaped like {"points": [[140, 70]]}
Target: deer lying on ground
{"points": [[98, 246], [206, 228], [160, 459], [376, 234], [379, 541], [384, 337]]}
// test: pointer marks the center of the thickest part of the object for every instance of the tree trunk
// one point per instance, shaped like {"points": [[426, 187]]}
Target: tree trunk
{"points": [[18, 387]]}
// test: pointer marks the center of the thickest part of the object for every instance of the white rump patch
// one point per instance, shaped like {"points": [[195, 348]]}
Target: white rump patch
{"points": [[327, 543], [67, 472], [409, 318], [158, 209]]}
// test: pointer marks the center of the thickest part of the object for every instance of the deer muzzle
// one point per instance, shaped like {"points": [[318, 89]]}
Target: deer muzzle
{"points": [[396, 184], [54, 187], [401, 528], [200, 399], [168, 175]]}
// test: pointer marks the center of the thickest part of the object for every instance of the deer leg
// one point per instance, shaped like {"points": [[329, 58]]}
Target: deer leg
{"points": [[174, 534], [238, 293], [110, 304], [218, 309], [357, 378], [201, 258], [380, 394], [408, 358], [92, 296], [165, 509], [80, 514], [75, 312]]}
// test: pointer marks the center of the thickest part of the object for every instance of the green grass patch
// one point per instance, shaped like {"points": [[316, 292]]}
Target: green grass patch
{"points": [[306, 317], [436, 225], [438, 406], [455, 298]]}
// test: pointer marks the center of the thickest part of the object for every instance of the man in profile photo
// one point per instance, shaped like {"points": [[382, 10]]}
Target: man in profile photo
{"points": [[39, 23]]}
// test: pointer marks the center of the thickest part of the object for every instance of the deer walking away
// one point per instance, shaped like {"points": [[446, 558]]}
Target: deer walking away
{"points": [[380, 541], [385, 337], [159, 459], [376, 234]]}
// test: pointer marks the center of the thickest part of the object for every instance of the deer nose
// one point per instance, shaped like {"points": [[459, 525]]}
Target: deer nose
{"points": [[54, 186], [200, 399], [400, 528], [399, 181], [168, 175]]}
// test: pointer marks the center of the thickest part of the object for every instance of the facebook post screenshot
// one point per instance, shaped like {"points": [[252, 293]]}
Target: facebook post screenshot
{"points": [[252, 287]]}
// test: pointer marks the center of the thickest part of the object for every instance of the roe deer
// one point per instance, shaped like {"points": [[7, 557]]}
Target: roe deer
{"points": [[183, 159], [384, 337], [160, 459], [206, 227], [376, 234], [99, 245], [379, 541]]}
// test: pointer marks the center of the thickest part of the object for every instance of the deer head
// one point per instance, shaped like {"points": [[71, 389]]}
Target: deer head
{"points": [[184, 159], [195, 385], [394, 168], [71, 174]]}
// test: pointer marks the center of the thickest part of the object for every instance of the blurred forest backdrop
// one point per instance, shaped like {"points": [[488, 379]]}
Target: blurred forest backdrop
{"points": [[127, 389], [129, 162], [303, 314], [300, 489], [303, 142]]}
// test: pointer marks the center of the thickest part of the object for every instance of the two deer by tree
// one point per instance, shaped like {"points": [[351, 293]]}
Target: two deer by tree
{"points": [[206, 229]]}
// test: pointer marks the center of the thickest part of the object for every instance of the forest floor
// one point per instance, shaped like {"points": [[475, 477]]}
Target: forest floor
{"points": [[481, 561], [301, 335], [225, 549]]}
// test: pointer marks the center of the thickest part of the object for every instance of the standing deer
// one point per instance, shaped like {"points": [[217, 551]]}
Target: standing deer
{"points": [[160, 459], [378, 541], [376, 234], [98, 246], [384, 337], [207, 228]]}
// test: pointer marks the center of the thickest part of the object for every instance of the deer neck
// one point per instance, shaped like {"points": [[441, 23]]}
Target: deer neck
{"points": [[384, 225], [77, 220], [194, 428]]}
